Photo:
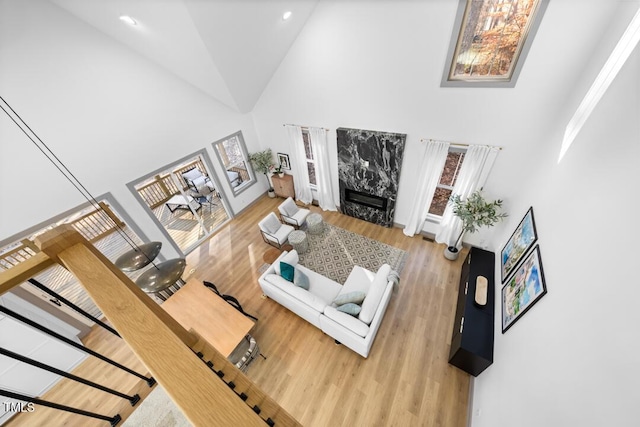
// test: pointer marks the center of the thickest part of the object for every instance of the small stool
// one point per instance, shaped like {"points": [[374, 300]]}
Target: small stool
{"points": [[315, 225], [298, 239]]}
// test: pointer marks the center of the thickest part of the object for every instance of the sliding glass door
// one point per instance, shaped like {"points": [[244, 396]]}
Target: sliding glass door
{"points": [[184, 199]]}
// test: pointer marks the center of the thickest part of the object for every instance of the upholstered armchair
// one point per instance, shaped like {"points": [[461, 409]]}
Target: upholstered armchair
{"points": [[273, 231], [292, 214]]}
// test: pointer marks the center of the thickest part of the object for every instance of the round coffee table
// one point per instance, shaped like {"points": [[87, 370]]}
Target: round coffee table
{"points": [[298, 239], [315, 225]]}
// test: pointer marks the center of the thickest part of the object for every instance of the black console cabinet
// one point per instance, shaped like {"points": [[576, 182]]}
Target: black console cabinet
{"points": [[472, 340]]}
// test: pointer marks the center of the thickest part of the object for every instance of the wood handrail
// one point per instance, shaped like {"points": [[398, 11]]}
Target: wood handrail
{"points": [[156, 338], [24, 271]]}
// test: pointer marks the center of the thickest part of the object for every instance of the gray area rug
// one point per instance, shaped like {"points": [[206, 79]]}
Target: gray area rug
{"points": [[157, 410], [334, 253]]}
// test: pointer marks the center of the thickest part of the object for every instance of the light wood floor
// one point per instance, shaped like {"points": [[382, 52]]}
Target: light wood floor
{"points": [[405, 381]]}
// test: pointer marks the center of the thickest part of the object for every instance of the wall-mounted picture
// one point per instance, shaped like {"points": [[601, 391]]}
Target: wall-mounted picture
{"points": [[283, 159], [523, 289], [518, 244]]}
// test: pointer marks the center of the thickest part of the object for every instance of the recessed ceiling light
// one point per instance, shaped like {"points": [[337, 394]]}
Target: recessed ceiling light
{"points": [[129, 20], [286, 15]]}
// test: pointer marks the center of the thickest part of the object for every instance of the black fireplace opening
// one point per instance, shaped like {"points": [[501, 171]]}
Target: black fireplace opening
{"points": [[365, 199]]}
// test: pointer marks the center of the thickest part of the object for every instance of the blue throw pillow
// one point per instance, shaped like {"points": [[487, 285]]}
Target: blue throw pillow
{"points": [[355, 297], [287, 271], [350, 308], [301, 280]]}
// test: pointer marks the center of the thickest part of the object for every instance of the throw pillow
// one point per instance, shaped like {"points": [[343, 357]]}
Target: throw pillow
{"points": [[287, 271], [272, 224], [290, 258], [301, 280], [355, 297], [350, 308], [290, 207]]}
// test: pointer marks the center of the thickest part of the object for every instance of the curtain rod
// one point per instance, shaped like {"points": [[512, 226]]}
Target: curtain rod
{"points": [[304, 127], [459, 144]]}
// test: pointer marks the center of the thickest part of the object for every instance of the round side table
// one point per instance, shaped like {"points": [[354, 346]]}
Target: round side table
{"points": [[315, 225], [298, 239]]}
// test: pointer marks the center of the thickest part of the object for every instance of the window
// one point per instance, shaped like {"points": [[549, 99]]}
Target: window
{"points": [[493, 38], [311, 163], [447, 180], [232, 153]]}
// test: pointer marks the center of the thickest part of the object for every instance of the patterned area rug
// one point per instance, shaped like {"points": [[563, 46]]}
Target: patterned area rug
{"points": [[334, 253]]}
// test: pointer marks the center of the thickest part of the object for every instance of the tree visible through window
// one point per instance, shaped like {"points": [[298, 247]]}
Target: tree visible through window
{"points": [[232, 153], [447, 181], [311, 163]]}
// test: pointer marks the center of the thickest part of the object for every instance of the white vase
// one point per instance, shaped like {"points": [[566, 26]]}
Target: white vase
{"points": [[451, 253], [280, 174], [271, 193]]}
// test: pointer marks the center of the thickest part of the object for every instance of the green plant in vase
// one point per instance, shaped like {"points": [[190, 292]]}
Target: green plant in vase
{"points": [[474, 212], [262, 162]]}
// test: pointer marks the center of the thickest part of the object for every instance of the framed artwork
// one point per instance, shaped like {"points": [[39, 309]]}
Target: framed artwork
{"points": [[493, 37], [518, 244], [283, 159], [523, 289]]}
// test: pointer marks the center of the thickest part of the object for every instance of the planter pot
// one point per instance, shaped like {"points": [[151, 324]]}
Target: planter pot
{"points": [[271, 193], [451, 253], [281, 174]]}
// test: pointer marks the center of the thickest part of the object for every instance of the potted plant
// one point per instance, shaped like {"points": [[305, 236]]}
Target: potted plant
{"points": [[278, 170], [474, 212], [262, 162]]}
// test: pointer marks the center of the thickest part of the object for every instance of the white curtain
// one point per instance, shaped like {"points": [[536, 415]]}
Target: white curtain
{"points": [[324, 187], [477, 164], [299, 164], [433, 160]]}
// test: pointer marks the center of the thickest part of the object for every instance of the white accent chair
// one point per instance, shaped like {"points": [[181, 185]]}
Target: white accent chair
{"points": [[273, 231], [292, 214]]}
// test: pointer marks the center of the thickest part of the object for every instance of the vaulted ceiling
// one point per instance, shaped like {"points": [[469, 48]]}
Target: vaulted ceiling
{"points": [[229, 49]]}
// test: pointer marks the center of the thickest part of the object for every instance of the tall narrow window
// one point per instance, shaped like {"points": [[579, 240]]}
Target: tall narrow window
{"points": [[311, 163], [232, 153], [447, 180]]}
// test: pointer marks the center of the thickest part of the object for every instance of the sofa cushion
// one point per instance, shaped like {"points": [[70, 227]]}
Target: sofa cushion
{"points": [[350, 308], [290, 258], [350, 297], [300, 294], [287, 270], [300, 279], [351, 323], [376, 290], [359, 280]]}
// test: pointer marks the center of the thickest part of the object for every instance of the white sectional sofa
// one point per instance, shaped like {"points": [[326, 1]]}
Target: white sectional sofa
{"points": [[315, 305]]}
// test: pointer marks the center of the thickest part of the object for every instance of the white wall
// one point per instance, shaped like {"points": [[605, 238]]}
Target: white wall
{"points": [[378, 65], [570, 361], [108, 114]]}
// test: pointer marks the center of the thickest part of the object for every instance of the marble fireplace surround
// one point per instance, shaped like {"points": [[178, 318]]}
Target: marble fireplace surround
{"points": [[368, 173]]}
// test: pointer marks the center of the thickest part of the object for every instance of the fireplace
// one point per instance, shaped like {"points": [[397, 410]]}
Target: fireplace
{"points": [[365, 199], [368, 173]]}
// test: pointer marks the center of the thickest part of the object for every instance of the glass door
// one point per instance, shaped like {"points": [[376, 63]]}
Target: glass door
{"points": [[184, 199]]}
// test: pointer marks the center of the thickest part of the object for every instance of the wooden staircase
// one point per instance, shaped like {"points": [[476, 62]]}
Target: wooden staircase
{"points": [[207, 388]]}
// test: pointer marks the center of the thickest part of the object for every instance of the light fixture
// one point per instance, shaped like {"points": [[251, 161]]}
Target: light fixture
{"points": [[163, 275], [128, 20], [609, 71], [286, 15]]}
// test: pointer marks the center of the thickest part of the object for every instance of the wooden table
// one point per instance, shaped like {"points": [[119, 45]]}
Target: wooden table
{"points": [[195, 306]]}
